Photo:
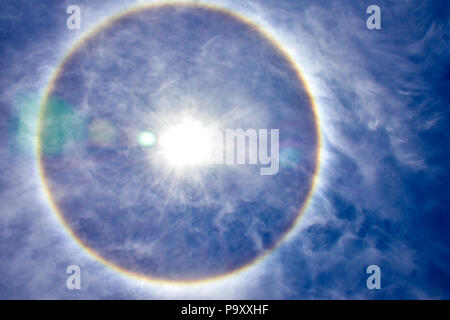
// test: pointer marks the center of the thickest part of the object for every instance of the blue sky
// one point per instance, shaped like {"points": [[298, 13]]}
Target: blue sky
{"points": [[382, 190]]}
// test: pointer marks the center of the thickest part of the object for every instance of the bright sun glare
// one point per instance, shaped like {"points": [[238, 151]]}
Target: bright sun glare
{"points": [[187, 144]]}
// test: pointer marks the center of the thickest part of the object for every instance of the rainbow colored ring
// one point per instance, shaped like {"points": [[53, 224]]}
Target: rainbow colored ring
{"points": [[49, 89]]}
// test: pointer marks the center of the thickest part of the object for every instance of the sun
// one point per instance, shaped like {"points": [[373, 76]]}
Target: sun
{"points": [[187, 143]]}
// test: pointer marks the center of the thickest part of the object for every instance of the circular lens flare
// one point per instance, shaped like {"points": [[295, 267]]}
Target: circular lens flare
{"points": [[146, 139]]}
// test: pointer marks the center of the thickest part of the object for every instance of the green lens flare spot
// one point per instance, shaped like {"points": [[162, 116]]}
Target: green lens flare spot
{"points": [[146, 139], [62, 127], [24, 119]]}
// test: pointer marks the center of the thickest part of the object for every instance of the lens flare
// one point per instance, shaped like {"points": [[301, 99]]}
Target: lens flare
{"points": [[146, 139]]}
